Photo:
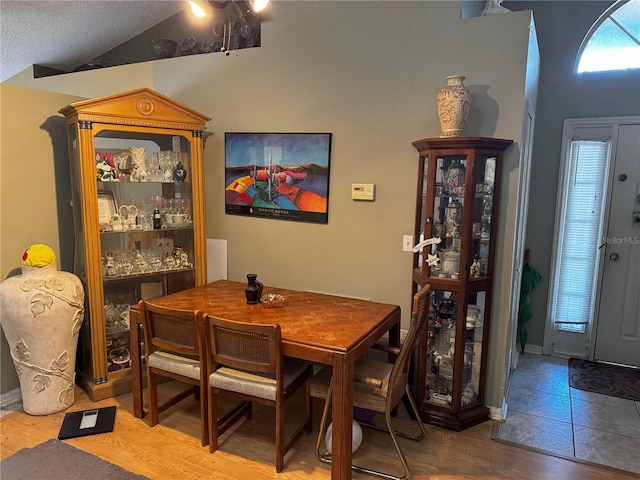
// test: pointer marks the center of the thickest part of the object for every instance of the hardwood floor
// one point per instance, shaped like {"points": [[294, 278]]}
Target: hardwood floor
{"points": [[172, 449]]}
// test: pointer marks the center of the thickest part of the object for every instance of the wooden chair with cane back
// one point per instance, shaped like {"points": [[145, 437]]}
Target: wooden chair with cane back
{"points": [[247, 359], [173, 349]]}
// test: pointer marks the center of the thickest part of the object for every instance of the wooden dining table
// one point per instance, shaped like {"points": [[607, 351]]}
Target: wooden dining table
{"points": [[326, 329]]}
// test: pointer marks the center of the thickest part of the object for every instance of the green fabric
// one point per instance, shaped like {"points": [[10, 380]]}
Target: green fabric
{"points": [[530, 280]]}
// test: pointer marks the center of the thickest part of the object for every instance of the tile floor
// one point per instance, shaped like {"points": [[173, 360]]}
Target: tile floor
{"points": [[545, 413]]}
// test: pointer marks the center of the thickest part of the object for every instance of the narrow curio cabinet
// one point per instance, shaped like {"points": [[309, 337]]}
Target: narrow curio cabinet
{"points": [[138, 203], [456, 213]]}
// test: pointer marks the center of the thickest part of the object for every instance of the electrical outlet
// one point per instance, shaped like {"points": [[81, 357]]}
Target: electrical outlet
{"points": [[407, 243]]}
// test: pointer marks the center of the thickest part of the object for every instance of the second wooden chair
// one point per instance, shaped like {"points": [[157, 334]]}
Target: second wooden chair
{"points": [[247, 359]]}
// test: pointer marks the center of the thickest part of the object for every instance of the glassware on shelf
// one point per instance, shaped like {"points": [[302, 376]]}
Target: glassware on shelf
{"points": [[450, 262], [167, 166], [152, 168], [181, 205], [140, 263], [111, 316], [154, 259], [145, 222], [169, 263], [157, 201]]}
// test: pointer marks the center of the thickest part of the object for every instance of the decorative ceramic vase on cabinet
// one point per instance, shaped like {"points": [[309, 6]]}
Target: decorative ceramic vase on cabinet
{"points": [[493, 7], [42, 312], [454, 101]]}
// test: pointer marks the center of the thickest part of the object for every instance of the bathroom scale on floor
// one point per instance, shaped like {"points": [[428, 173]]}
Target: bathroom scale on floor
{"points": [[87, 422]]}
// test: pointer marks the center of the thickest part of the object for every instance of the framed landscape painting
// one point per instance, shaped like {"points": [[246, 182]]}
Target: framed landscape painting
{"points": [[278, 175]]}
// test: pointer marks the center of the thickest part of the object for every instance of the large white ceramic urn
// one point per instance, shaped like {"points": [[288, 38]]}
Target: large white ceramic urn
{"points": [[41, 314], [454, 101]]}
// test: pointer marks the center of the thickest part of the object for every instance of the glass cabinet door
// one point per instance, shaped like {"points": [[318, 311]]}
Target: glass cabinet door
{"points": [[473, 347], [440, 348], [448, 211], [484, 178], [453, 339], [146, 226]]}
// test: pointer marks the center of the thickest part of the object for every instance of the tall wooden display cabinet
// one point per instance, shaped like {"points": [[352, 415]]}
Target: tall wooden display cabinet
{"points": [[138, 198], [456, 213]]}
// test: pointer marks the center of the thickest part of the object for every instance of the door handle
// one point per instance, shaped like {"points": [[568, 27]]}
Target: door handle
{"points": [[614, 257]]}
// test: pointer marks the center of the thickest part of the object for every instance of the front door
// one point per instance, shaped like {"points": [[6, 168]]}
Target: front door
{"points": [[617, 336]]}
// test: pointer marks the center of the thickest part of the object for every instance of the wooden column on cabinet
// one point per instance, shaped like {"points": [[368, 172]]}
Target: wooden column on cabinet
{"points": [[93, 271], [199, 210]]}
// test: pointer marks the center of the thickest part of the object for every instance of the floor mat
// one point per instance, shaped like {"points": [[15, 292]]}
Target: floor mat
{"points": [[614, 380], [56, 460]]}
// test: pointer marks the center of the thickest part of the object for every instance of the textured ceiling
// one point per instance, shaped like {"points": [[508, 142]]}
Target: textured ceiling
{"points": [[64, 34]]}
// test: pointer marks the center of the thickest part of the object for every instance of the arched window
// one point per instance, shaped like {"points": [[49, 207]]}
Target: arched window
{"points": [[613, 42]]}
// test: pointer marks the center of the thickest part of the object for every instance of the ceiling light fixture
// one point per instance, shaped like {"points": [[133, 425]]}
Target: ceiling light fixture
{"points": [[202, 8], [258, 5]]}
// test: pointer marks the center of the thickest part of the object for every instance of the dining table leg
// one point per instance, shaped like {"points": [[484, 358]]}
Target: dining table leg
{"points": [[342, 415]]}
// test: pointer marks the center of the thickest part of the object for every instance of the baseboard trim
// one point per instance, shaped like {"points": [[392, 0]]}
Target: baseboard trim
{"points": [[498, 414], [10, 398], [535, 349]]}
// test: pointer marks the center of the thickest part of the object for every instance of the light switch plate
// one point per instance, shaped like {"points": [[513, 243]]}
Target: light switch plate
{"points": [[363, 191]]}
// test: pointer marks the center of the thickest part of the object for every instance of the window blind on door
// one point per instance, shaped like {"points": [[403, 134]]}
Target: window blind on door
{"points": [[580, 234]]}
